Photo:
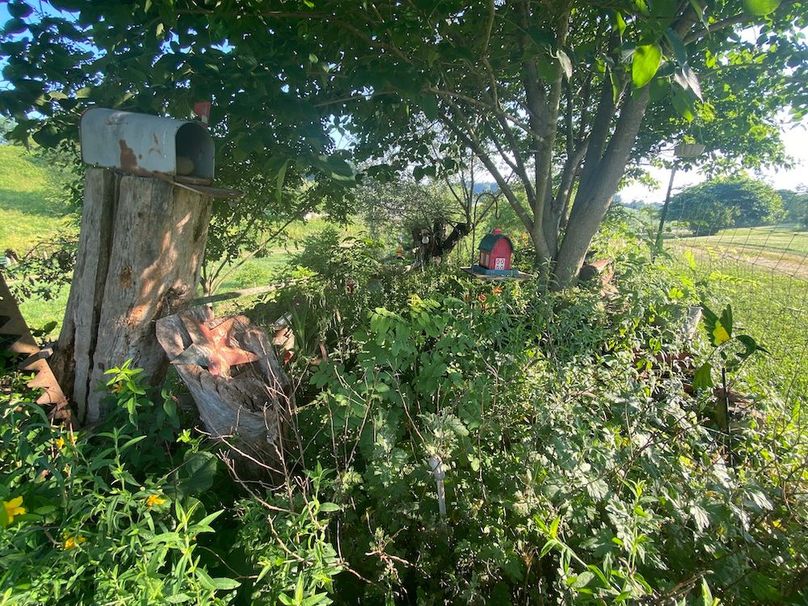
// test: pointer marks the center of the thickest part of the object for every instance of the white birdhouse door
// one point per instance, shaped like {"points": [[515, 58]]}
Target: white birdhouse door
{"points": [[499, 263]]}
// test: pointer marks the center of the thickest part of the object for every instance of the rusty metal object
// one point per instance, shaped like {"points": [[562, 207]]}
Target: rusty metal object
{"points": [[16, 338], [143, 144]]}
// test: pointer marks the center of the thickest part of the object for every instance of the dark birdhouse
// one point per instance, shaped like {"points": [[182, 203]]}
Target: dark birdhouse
{"points": [[496, 250]]}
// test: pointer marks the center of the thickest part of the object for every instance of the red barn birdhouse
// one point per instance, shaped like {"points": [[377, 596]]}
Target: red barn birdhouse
{"points": [[496, 250]]}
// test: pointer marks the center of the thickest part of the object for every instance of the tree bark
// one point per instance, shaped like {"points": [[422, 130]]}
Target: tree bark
{"points": [[595, 193], [141, 245], [249, 409]]}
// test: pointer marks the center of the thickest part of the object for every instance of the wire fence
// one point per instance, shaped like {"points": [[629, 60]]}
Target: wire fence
{"points": [[762, 271]]}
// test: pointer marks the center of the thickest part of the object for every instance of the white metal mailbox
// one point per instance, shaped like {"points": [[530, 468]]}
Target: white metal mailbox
{"points": [[143, 144]]}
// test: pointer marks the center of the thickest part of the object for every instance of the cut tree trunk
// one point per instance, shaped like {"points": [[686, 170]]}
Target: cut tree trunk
{"points": [[140, 250], [243, 396]]}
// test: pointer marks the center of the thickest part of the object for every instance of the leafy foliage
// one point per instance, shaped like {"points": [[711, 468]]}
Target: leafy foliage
{"points": [[577, 467], [44, 269], [551, 99], [795, 204], [726, 202], [124, 513]]}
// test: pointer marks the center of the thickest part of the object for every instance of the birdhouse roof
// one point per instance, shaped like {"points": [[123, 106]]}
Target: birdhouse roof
{"points": [[489, 241]]}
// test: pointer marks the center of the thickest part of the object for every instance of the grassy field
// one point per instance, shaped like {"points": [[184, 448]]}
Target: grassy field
{"points": [[30, 210], [763, 274], [782, 249]]}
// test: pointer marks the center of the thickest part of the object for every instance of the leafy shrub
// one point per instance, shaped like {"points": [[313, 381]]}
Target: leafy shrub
{"points": [[125, 513], [465, 443], [577, 467]]}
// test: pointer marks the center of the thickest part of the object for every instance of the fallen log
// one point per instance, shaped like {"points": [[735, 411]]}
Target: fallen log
{"points": [[230, 368]]}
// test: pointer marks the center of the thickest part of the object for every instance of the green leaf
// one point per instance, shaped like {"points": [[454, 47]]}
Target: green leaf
{"points": [[14, 26], [706, 594], [678, 46], [700, 517], [225, 584], [645, 63], [699, 10], [703, 377], [429, 105], [196, 475], [726, 319], [19, 10], [760, 8], [751, 345], [682, 103], [554, 527], [619, 23], [279, 180], [687, 79]]}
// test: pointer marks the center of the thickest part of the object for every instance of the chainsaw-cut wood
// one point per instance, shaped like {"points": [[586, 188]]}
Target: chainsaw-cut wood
{"points": [[139, 255], [16, 338], [246, 406]]}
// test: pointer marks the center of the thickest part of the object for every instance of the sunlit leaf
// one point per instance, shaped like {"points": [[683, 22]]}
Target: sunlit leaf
{"points": [[645, 64], [720, 334], [760, 8]]}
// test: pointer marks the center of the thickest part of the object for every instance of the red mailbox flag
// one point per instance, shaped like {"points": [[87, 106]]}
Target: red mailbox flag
{"points": [[202, 111]]}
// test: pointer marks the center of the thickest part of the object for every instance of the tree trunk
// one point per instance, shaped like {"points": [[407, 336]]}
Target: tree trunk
{"points": [[140, 249], [599, 182]]}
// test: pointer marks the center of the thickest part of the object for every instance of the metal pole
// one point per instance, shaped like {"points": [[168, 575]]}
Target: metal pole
{"points": [[663, 215]]}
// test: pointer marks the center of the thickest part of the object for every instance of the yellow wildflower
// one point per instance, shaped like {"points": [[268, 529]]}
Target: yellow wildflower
{"points": [[720, 334], [60, 442], [13, 509], [154, 499], [73, 542]]}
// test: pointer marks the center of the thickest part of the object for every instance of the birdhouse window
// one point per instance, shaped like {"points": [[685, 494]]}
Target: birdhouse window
{"points": [[499, 263]]}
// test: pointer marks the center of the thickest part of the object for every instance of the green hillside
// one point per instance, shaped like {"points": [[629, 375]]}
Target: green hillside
{"points": [[30, 212], [30, 209]]}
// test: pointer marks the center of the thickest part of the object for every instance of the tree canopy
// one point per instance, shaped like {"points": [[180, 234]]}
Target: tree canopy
{"points": [[727, 202], [557, 100], [795, 204]]}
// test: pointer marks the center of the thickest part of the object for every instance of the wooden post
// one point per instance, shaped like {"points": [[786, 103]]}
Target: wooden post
{"points": [[140, 249]]}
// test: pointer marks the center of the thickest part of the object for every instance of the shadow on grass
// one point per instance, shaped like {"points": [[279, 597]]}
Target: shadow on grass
{"points": [[40, 203]]}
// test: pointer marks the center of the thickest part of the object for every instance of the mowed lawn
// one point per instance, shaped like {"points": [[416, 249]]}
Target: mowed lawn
{"points": [[763, 274], [31, 211], [781, 249], [30, 205]]}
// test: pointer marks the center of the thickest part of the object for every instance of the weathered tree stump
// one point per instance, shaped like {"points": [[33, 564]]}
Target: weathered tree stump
{"points": [[140, 250], [243, 396]]}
